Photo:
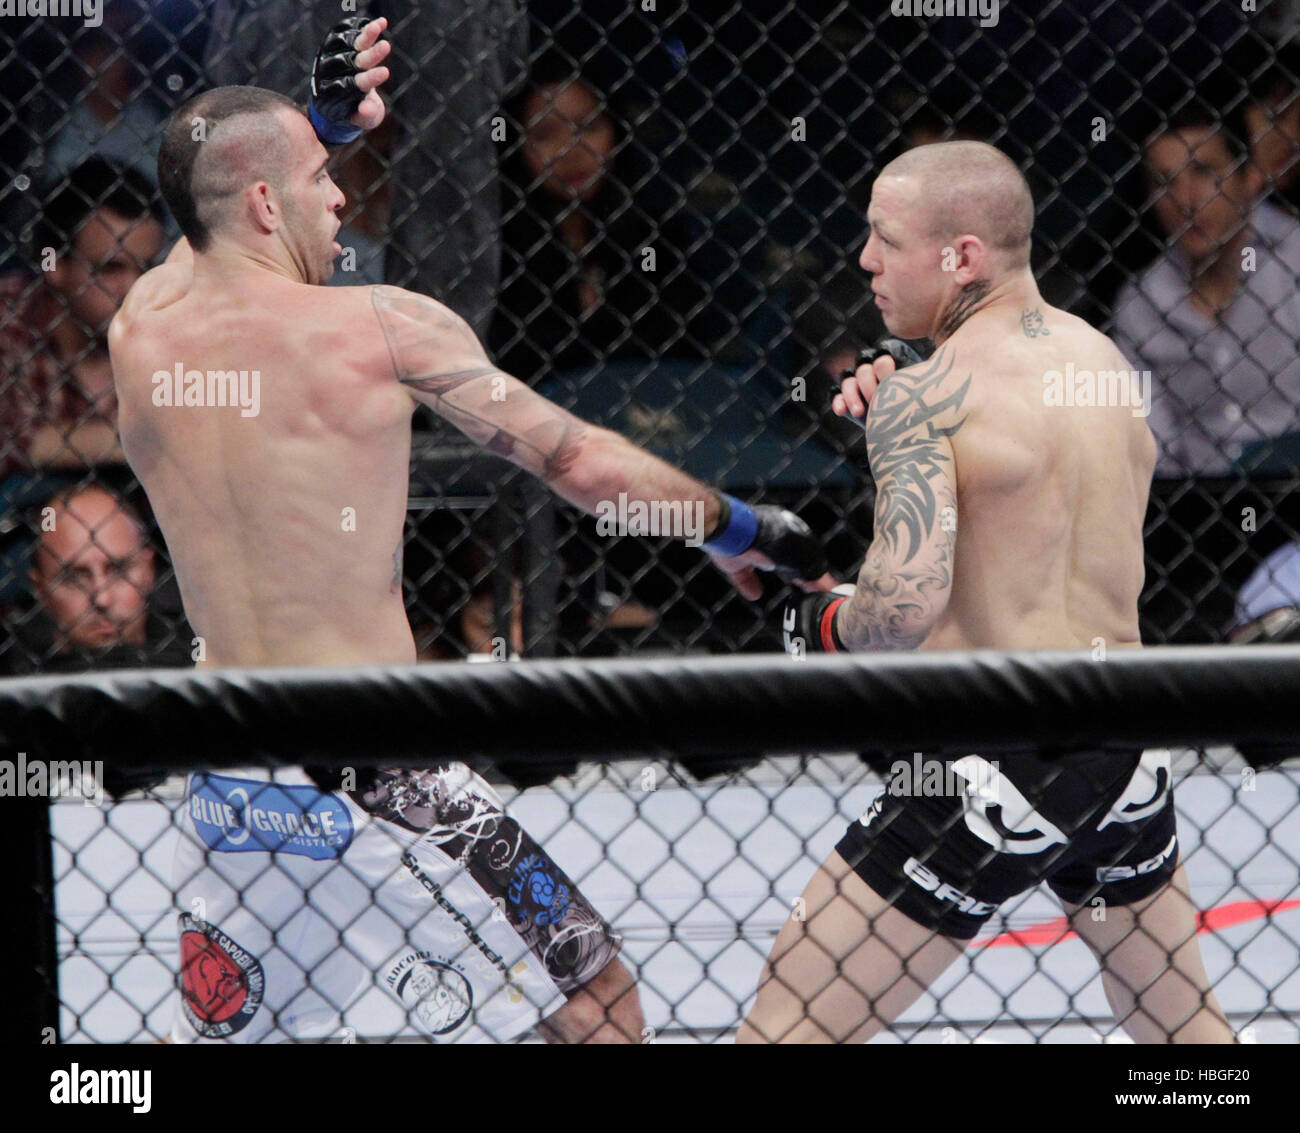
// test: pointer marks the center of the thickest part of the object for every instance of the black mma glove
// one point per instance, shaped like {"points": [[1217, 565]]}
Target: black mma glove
{"points": [[896, 348], [775, 532], [808, 625], [335, 95]]}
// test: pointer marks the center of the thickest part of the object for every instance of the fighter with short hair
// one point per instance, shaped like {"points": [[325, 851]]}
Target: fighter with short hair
{"points": [[1005, 518]]}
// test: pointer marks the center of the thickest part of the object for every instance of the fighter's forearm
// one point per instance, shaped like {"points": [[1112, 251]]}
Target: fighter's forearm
{"points": [[891, 610], [607, 467], [588, 466]]}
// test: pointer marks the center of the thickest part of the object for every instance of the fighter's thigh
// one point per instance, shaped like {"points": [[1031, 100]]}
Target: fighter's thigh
{"points": [[1157, 926], [845, 963]]}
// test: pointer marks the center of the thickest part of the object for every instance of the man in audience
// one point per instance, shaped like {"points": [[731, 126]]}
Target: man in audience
{"points": [[96, 237], [93, 576], [1272, 120], [1216, 317]]}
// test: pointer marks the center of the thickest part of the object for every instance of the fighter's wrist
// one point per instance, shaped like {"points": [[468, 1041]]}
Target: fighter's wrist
{"points": [[736, 529], [330, 132], [828, 632]]}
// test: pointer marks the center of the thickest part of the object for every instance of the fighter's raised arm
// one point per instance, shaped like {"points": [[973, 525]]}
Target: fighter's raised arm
{"points": [[345, 80], [436, 355]]}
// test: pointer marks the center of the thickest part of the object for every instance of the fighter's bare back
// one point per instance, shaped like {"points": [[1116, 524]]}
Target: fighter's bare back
{"points": [[1051, 498], [285, 528]]}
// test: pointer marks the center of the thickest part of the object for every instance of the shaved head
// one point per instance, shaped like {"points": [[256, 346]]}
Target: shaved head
{"points": [[971, 187], [214, 147]]}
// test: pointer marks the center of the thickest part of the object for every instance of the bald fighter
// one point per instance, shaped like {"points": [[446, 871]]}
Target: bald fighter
{"points": [[284, 515], [1008, 516]]}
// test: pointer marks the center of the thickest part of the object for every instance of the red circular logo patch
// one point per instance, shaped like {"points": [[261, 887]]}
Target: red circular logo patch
{"points": [[221, 982]]}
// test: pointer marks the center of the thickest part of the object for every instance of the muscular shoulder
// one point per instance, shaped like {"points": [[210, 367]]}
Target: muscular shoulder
{"points": [[421, 334], [135, 324], [156, 289], [930, 397]]}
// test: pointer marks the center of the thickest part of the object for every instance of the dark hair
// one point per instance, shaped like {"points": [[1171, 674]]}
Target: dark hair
{"points": [[1197, 116], [179, 153], [97, 183], [1270, 71], [63, 499]]}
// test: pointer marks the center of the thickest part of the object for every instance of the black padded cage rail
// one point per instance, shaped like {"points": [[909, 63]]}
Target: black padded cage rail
{"points": [[631, 709]]}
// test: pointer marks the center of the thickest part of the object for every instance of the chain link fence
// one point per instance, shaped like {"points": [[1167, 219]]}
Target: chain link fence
{"points": [[652, 213]]}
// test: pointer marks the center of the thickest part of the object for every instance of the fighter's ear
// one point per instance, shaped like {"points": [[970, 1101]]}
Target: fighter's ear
{"points": [[967, 256], [264, 207]]}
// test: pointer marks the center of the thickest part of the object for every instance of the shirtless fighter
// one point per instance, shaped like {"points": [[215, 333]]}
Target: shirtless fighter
{"points": [[1004, 520], [284, 512]]}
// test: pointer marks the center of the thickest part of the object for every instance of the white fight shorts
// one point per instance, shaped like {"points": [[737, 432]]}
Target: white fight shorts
{"points": [[309, 915]]}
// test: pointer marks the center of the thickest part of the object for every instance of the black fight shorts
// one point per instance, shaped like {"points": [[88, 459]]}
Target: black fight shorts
{"points": [[950, 840]]}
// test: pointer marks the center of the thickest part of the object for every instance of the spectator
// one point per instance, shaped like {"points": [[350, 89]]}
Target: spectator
{"points": [[1274, 585], [1272, 121], [1217, 316], [576, 290], [93, 575], [111, 116], [95, 238]]}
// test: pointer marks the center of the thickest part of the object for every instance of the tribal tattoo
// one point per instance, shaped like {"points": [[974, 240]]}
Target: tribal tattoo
{"points": [[909, 564], [489, 406], [963, 306]]}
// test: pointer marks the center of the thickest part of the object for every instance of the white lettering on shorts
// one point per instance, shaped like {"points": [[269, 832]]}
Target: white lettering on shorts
{"points": [[1124, 872], [928, 880]]}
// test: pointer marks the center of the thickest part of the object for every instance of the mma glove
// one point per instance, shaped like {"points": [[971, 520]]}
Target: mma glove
{"points": [[896, 348], [335, 95], [808, 625], [773, 531]]}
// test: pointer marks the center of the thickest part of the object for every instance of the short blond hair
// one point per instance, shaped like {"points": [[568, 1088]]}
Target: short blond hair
{"points": [[972, 187]]}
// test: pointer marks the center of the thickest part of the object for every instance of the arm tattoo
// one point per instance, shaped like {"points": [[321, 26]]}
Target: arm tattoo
{"points": [[556, 459], [909, 562], [437, 384], [961, 308], [486, 404], [396, 587]]}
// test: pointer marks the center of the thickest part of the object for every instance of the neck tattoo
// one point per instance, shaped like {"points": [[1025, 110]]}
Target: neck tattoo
{"points": [[962, 307], [1031, 322]]}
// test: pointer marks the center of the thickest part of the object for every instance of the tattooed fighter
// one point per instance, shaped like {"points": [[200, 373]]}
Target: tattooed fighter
{"points": [[1003, 520], [285, 526]]}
